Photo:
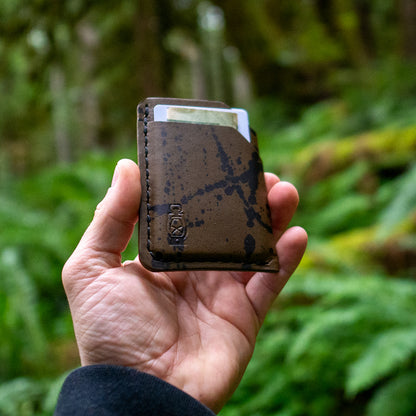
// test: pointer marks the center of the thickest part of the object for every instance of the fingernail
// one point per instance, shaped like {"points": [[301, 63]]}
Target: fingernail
{"points": [[115, 175]]}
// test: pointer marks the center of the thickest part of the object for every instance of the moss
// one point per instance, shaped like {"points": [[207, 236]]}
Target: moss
{"points": [[384, 148], [353, 247], [361, 250]]}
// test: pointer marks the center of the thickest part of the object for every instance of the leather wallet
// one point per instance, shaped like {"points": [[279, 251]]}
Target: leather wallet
{"points": [[204, 199]]}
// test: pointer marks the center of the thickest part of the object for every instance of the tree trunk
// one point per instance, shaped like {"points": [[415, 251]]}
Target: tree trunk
{"points": [[348, 22], [153, 67], [89, 101], [57, 85], [407, 12], [363, 8]]}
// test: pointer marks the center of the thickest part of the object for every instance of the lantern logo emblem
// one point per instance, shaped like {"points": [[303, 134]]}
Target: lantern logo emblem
{"points": [[176, 225]]}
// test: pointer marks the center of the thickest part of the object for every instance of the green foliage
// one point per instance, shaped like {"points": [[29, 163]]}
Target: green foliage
{"points": [[329, 339], [335, 114], [29, 397], [402, 203], [387, 352], [395, 398], [21, 397], [23, 339], [45, 217], [357, 191], [342, 340]]}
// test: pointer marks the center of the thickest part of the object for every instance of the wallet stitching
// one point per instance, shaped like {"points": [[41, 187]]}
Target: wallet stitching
{"points": [[146, 152]]}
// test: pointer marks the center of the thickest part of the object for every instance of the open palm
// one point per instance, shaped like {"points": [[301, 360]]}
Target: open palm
{"points": [[195, 330]]}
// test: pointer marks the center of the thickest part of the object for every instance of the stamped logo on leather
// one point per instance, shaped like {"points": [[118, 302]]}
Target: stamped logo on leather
{"points": [[176, 225]]}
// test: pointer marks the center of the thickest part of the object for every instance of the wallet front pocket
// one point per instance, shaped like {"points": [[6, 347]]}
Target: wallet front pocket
{"points": [[204, 201]]}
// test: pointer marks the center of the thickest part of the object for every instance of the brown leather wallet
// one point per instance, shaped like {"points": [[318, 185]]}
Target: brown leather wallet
{"points": [[204, 200]]}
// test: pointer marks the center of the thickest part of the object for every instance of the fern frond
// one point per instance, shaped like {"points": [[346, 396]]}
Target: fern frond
{"points": [[384, 355], [20, 397], [403, 203], [394, 297], [396, 398], [51, 396], [328, 322], [338, 215], [318, 284], [22, 312]]}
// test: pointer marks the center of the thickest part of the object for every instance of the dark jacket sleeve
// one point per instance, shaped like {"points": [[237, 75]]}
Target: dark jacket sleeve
{"points": [[104, 390]]}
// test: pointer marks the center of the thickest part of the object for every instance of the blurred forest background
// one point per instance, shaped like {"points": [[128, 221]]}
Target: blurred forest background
{"points": [[330, 86]]}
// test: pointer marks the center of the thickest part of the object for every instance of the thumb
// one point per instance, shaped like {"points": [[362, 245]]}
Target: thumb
{"points": [[112, 226]]}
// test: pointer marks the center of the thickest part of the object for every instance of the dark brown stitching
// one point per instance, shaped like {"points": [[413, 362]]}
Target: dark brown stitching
{"points": [[146, 152]]}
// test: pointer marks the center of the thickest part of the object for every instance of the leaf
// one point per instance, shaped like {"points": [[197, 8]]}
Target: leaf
{"points": [[18, 394], [385, 354], [22, 318], [51, 396], [317, 330], [395, 398], [401, 206]]}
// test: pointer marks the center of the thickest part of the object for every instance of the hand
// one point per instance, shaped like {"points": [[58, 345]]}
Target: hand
{"points": [[195, 330]]}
